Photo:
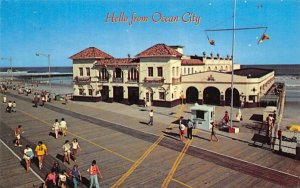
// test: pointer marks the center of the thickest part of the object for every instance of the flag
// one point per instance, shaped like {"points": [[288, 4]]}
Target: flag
{"points": [[262, 38], [211, 42]]}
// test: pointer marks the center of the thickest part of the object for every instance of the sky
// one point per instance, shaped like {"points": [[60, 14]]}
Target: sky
{"points": [[63, 28]]}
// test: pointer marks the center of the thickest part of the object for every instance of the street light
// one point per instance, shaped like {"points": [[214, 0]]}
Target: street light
{"points": [[49, 69], [10, 63]]}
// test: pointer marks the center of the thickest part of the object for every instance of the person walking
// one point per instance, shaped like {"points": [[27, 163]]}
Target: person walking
{"points": [[94, 171], [75, 148], [67, 151], [43, 100], [190, 127], [9, 107], [145, 102], [213, 133], [50, 180], [4, 98], [35, 101], [63, 127], [76, 175], [41, 150], [14, 106], [56, 128], [28, 156], [56, 167], [65, 100], [62, 179], [151, 117], [181, 131], [18, 136]]}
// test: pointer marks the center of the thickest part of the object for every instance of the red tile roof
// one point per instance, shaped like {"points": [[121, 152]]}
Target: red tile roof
{"points": [[91, 52], [119, 61], [191, 62], [159, 50]]}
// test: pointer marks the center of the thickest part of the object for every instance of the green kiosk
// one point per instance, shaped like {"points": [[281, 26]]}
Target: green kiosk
{"points": [[202, 116]]}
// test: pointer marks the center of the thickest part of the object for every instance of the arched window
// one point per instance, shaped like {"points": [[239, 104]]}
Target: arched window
{"points": [[216, 68], [208, 68], [103, 74], [132, 74]]}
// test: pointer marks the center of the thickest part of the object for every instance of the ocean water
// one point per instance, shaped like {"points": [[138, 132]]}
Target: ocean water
{"points": [[292, 84], [39, 69]]}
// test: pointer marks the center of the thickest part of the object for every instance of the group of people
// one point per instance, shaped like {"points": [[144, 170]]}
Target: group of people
{"points": [[182, 129], [10, 105], [58, 177], [189, 129], [41, 99], [60, 127], [69, 149]]}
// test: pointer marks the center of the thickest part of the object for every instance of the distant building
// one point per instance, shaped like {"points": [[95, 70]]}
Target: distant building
{"points": [[162, 76]]}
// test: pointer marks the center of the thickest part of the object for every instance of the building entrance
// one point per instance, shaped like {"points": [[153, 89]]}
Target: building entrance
{"points": [[236, 97], [118, 95], [192, 95], [211, 95], [133, 95]]}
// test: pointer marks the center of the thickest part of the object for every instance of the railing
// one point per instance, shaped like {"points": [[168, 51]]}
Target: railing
{"points": [[153, 80], [82, 79], [176, 80], [132, 81], [102, 80], [118, 80]]}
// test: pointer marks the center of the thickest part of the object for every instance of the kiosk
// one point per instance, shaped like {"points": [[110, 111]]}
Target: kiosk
{"points": [[202, 116]]}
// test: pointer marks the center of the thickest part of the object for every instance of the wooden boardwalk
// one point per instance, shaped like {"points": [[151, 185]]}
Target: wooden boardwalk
{"points": [[12, 174], [122, 149]]}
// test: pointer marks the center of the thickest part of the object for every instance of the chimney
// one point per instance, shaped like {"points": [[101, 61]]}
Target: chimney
{"points": [[178, 48]]}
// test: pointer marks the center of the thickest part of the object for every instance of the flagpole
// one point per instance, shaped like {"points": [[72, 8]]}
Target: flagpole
{"points": [[232, 59]]}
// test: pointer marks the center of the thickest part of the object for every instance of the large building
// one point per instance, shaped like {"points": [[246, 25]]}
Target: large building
{"points": [[162, 76]]}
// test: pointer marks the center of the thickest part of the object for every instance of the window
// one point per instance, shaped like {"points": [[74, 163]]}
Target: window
{"points": [[80, 71], [184, 70], [103, 74], [200, 114], [132, 74], [150, 71], [177, 71], [162, 95], [80, 91], [173, 71], [252, 98], [90, 91], [192, 70], [88, 71], [159, 71], [189, 70], [118, 73]]}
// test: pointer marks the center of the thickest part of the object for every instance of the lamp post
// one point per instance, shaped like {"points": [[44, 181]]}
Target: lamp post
{"points": [[10, 63], [49, 67]]}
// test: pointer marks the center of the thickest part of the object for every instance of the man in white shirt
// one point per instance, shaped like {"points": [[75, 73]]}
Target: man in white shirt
{"points": [[63, 127], [151, 117]]}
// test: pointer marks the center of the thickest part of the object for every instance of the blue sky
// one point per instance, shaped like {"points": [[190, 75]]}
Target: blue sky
{"points": [[63, 28]]}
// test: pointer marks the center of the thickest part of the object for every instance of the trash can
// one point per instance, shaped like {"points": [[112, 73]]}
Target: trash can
{"points": [[57, 97]]}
